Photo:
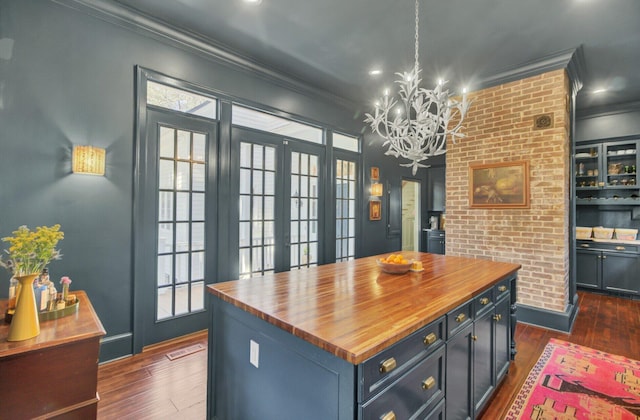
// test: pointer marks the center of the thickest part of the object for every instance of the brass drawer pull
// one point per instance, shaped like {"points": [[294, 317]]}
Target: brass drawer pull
{"points": [[497, 317], [388, 365], [620, 248], [474, 337], [461, 318], [428, 383], [502, 288], [388, 416], [484, 301], [430, 339]]}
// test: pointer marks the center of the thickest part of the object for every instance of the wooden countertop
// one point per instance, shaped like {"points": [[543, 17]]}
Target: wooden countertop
{"points": [[84, 324], [352, 309]]}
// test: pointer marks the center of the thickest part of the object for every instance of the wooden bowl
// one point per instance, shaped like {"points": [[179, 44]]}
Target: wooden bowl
{"points": [[394, 268]]}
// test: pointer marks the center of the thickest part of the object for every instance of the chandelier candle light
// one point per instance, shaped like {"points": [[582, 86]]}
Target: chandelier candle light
{"points": [[416, 125]]}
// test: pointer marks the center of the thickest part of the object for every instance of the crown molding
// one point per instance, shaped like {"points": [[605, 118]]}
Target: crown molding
{"points": [[571, 59], [131, 19], [607, 110]]}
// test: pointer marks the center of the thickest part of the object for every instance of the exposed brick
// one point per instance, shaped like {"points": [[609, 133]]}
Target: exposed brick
{"points": [[499, 128]]}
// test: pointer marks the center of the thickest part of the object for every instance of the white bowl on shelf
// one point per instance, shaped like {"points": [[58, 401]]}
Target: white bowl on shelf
{"points": [[630, 151]]}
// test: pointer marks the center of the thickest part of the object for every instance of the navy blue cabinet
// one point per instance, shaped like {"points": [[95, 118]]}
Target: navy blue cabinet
{"points": [[436, 241], [608, 266]]}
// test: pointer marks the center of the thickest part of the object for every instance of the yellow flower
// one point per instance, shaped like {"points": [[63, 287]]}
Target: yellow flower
{"points": [[31, 251]]}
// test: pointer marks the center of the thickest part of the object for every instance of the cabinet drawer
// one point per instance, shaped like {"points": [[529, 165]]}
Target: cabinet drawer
{"points": [[608, 246], [502, 289], [417, 391], [436, 234], [483, 302], [385, 367], [459, 318]]}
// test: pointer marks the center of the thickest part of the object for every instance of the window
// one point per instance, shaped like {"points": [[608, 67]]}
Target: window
{"points": [[345, 210], [257, 209], [345, 142], [181, 222], [258, 120], [181, 100]]}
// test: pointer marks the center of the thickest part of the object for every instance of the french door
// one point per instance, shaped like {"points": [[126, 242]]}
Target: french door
{"points": [[279, 184], [175, 232]]}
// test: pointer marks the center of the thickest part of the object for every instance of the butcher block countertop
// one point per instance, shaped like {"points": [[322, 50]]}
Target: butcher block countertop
{"points": [[352, 309]]}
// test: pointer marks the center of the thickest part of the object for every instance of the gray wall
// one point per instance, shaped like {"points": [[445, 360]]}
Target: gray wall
{"points": [[69, 79], [619, 121]]}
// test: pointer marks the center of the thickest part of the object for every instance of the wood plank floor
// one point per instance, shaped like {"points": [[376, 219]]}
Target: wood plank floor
{"points": [[150, 386]]}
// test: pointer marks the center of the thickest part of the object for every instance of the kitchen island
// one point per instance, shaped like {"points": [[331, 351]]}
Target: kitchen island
{"points": [[346, 341]]}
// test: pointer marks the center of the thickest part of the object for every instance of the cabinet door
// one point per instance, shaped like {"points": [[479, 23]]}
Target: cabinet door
{"points": [[436, 185], [588, 264], [435, 245], [620, 272], [483, 361], [459, 373], [502, 334]]}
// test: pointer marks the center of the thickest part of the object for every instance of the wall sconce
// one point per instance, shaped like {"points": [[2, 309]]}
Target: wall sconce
{"points": [[88, 160], [376, 189]]}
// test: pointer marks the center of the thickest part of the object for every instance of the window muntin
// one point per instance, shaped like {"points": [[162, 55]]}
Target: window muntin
{"points": [[181, 222], [257, 209], [345, 210]]}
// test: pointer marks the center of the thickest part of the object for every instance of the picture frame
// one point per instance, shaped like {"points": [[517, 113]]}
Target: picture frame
{"points": [[375, 210], [375, 173], [499, 185]]}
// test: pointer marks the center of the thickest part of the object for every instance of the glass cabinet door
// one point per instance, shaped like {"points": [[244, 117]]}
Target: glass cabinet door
{"points": [[621, 164]]}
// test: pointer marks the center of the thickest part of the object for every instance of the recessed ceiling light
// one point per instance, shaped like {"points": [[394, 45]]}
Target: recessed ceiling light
{"points": [[256, 2], [375, 72]]}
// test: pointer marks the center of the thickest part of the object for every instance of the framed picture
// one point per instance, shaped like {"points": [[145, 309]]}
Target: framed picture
{"points": [[375, 173], [499, 185], [375, 210]]}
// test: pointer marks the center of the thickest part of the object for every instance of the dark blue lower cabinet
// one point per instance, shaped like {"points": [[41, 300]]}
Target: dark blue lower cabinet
{"points": [[448, 369], [459, 368]]}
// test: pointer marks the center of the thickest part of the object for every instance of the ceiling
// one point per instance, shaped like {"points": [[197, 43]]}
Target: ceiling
{"points": [[332, 44]]}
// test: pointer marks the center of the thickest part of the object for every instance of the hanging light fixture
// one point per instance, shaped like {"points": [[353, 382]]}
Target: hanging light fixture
{"points": [[416, 125]]}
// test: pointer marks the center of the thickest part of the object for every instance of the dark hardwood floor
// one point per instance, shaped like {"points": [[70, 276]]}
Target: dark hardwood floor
{"points": [[150, 386]]}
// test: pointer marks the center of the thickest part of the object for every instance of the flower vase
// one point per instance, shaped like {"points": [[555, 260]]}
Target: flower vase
{"points": [[25, 323]]}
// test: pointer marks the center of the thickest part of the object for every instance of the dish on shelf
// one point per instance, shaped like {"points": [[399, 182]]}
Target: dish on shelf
{"points": [[583, 155], [630, 151]]}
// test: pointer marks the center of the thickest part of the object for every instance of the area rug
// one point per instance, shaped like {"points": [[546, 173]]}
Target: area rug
{"points": [[576, 382]]}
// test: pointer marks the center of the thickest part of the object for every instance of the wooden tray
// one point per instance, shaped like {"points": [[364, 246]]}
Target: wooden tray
{"points": [[59, 313]]}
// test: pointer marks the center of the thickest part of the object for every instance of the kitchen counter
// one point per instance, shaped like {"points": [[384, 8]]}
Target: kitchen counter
{"points": [[352, 309], [346, 341]]}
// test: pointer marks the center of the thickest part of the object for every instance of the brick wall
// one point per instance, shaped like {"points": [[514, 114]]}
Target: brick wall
{"points": [[499, 128]]}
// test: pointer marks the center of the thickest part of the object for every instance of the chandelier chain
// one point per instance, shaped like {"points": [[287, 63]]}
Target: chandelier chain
{"points": [[417, 41]]}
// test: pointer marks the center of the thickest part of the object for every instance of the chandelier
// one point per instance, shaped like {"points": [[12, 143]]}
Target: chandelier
{"points": [[416, 125]]}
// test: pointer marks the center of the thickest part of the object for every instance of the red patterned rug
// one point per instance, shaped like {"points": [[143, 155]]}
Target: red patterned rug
{"points": [[575, 382]]}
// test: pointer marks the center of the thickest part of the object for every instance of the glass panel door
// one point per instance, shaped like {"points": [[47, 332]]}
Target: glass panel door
{"points": [[257, 225], [175, 224], [304, 215], [279, 190]]}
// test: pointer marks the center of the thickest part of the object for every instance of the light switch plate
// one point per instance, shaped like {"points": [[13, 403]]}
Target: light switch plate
{"points": [[254, 353]]}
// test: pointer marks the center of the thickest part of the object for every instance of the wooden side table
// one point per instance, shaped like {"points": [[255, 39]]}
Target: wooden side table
{"points": [[53, 375]]}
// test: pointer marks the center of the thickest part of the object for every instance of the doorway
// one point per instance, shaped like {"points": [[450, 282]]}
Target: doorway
{"points": [[279, 185], [410, 215]]}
